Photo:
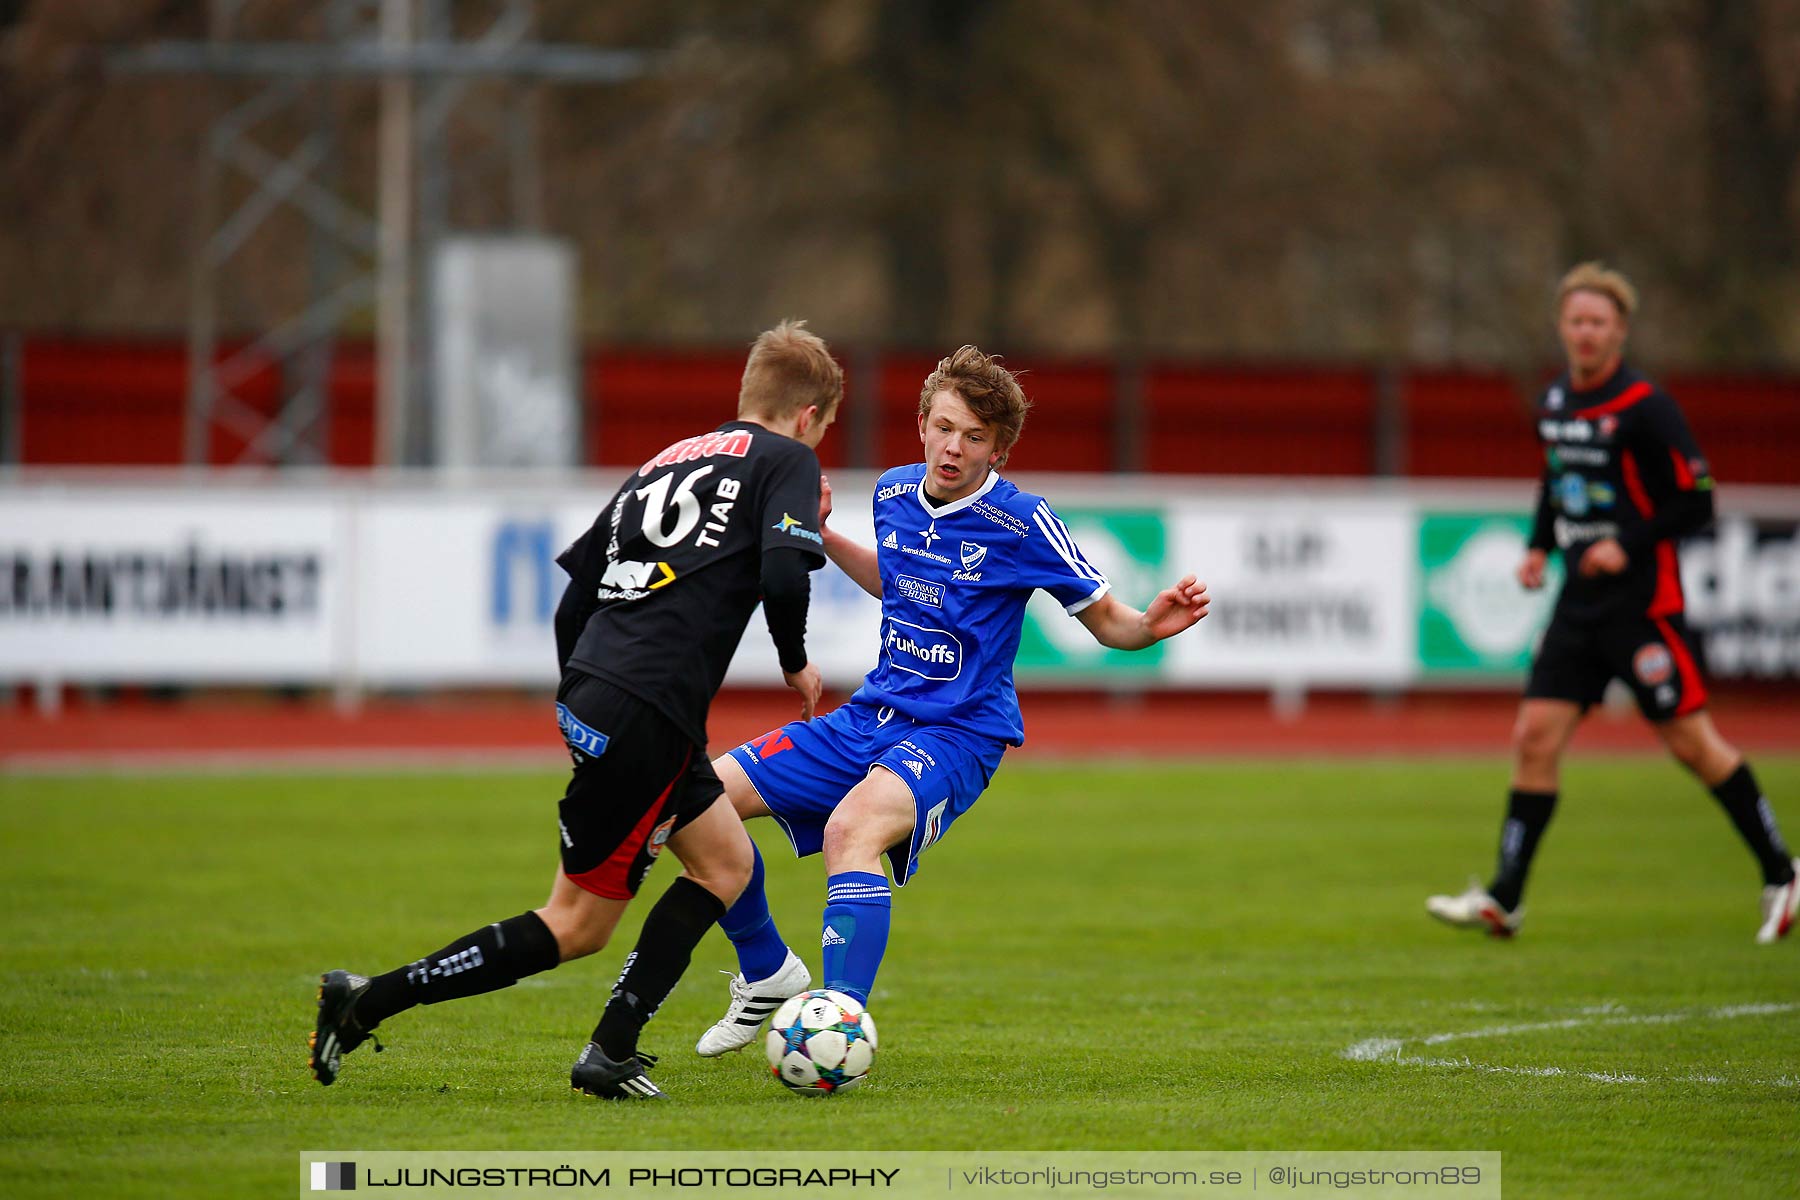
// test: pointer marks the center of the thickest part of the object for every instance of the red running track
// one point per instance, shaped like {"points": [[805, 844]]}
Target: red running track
{"points": [[261, 732]]}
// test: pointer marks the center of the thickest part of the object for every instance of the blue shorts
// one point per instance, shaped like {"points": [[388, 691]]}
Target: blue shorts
{"points": [[805, 768]]}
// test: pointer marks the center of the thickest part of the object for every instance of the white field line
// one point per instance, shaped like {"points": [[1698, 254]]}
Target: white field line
{"points": [[1391, 1050]]}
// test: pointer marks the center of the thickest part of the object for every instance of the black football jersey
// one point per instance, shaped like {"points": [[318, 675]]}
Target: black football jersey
{"points": [[1619, 462], [675, 562]]}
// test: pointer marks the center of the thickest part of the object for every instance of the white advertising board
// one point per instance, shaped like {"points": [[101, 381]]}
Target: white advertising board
{"points": [[451, 580], [134, 584], [1304, 593]]}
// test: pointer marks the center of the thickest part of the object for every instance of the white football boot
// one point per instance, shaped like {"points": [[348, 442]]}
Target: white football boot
{"points": [[1475, 909], [751, 1004], [1779, 904]]}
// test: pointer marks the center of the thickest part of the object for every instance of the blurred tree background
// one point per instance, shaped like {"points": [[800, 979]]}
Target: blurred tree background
{"points": [[1293, 179]]}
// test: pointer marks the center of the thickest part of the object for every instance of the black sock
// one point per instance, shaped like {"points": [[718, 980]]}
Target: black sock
{"points": [[1527, 816], [1749, 810], [671, 931], [493, 957]]}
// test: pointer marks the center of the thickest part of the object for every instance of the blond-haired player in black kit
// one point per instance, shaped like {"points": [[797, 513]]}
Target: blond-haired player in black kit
{"points": [[1623, 480], [660, 591]]}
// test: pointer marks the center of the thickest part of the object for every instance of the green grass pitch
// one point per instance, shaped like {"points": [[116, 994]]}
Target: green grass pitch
{"points": [[1117, 957]]}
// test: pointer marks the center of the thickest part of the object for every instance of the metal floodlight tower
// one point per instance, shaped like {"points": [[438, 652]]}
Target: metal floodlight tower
{"points": [[424, 55]]}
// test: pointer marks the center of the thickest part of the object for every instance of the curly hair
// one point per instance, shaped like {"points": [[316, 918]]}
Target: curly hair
{"points": [[990, 390]]}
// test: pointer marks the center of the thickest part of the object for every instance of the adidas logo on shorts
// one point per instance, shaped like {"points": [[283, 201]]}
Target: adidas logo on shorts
{"points": [[917, 768]]}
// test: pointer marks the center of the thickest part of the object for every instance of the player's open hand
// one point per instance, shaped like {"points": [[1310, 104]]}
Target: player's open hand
{"points": [[1604, 557], [824, 497], [807, 682], [1531, 570], [1177, 608]]}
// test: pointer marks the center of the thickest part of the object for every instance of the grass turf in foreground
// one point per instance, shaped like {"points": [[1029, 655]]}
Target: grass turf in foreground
{"points": [[1107, 958]]}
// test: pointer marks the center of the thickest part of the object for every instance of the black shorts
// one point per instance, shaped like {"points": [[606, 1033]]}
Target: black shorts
{"points": [[1653, 655], [638, 779]]}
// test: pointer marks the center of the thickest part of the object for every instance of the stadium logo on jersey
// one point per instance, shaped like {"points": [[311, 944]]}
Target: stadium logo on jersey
{"points": [[891, 541], [915, 766], [793, 528], [582, 739], [934, 824], [894, 490], [627, 576], [930, 534], [918, 650], [919, 590], [735, 443], [1652, 664]]}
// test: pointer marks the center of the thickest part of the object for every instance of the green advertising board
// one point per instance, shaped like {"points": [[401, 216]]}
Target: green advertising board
{"points": [[1474, 618], [1129, 546]]}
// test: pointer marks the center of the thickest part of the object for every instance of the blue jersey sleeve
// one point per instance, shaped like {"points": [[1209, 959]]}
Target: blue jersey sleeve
{"points": [[1050, 559]]}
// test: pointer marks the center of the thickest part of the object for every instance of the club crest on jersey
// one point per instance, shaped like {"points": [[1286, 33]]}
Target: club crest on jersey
{"points": [[1651, 664], [973, 554]]}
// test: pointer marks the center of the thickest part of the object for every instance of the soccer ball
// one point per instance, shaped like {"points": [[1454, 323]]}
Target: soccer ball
{"points": [[820, 1042]]}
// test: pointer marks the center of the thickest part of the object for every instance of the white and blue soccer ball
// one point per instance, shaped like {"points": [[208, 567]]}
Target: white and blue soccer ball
{"points": [[820, 1042]]}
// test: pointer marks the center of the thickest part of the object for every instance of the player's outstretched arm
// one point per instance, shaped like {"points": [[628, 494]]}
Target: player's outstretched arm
{"points": [[1116, 624], [853, 559]]}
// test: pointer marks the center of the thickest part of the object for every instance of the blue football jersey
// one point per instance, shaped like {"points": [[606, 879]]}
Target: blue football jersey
{"points": [[954, 582]]}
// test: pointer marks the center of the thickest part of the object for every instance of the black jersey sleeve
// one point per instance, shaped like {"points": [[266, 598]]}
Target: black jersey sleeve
{"points": [[790, 505], [578, 602], [1543, 521], [1672, 475], [786, 591]]}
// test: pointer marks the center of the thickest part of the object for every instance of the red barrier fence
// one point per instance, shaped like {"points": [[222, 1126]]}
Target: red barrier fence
{"points": [[123, 403]]}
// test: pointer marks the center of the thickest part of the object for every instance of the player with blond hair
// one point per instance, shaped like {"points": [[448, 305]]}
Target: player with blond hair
{"points": [[661, 588], [1623, 480]]}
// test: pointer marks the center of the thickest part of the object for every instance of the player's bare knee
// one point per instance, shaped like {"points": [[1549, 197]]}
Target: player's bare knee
{"points": [[1536, 743], [725, 873], [841, 839], [575, 936]]}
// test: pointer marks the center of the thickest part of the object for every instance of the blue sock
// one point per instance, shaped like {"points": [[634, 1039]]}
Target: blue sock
{"points": [[858, 906], [760, 948]]}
